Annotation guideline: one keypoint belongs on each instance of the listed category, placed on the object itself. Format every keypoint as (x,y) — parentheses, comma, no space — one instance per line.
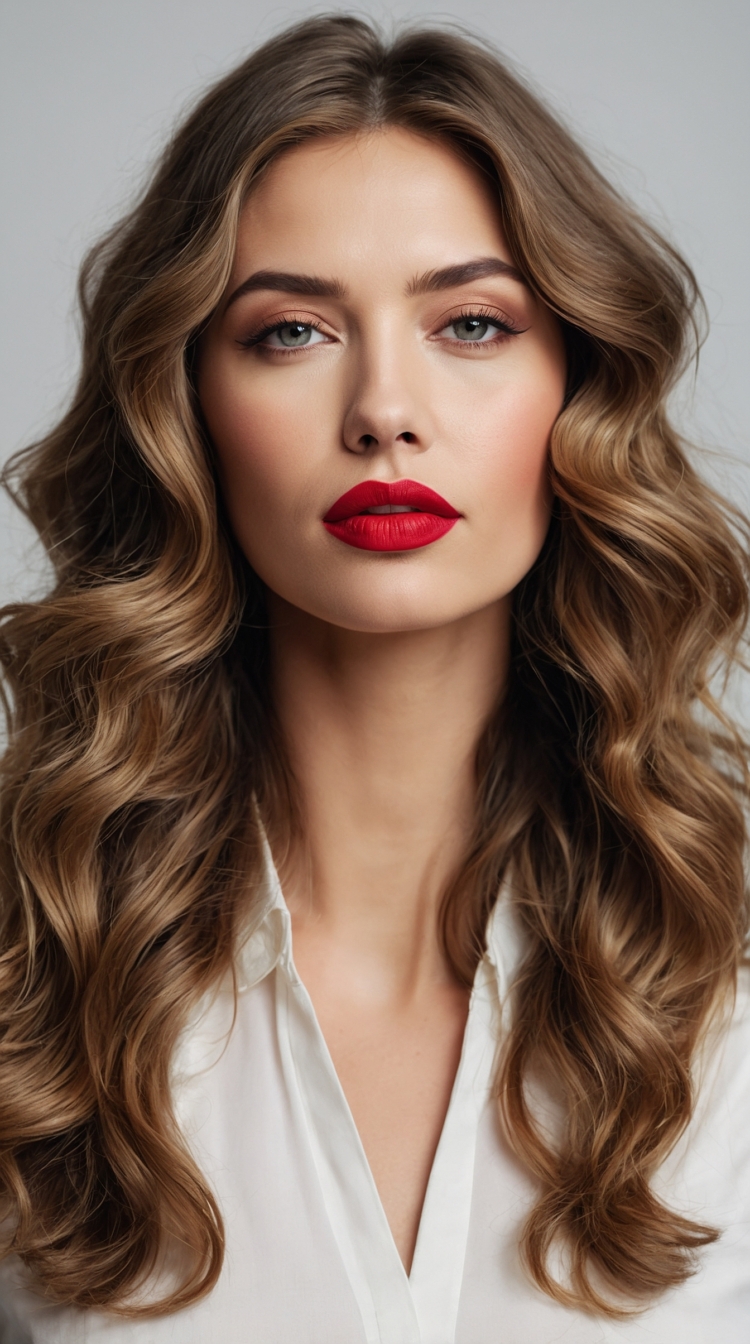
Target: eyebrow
(289,283)
(314,286)
(462,274)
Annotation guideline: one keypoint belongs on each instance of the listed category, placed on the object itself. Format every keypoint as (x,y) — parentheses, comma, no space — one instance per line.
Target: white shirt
(310,1258)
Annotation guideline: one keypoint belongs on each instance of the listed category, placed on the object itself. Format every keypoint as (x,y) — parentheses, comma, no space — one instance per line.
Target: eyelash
(504,329)
(248,342)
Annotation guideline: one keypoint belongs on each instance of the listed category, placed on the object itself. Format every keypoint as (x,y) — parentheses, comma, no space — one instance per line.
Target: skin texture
(385,666)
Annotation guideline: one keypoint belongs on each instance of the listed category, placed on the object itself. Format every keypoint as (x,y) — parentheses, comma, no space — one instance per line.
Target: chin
(390,623)
(392,610)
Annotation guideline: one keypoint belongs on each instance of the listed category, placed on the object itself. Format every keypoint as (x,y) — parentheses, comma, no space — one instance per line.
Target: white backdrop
(657,89)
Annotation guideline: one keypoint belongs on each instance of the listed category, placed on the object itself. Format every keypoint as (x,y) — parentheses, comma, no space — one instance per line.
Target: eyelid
(486,312)
(276,323)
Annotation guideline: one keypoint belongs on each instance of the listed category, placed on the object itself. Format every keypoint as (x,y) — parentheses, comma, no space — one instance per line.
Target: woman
(383,582)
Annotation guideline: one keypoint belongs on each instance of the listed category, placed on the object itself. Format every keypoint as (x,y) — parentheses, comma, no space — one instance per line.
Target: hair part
(609,784)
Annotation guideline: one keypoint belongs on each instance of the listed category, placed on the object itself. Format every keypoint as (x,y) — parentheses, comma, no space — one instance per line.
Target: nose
(387,402)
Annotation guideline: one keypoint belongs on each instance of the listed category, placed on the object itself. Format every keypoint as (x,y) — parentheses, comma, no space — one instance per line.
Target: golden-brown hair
(140,718)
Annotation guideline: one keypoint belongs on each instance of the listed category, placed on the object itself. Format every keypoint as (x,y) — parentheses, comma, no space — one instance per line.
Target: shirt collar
(268,940)
(506,941)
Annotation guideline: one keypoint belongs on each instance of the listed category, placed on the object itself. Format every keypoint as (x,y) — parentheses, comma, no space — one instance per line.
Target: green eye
(294,334)
(470,328)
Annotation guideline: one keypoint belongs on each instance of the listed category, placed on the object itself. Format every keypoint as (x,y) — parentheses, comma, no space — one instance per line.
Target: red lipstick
(390,516)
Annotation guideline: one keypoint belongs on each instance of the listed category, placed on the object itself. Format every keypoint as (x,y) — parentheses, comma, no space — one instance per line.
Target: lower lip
(391,531)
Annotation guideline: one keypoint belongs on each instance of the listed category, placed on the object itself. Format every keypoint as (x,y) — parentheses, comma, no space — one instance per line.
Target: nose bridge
(387,401)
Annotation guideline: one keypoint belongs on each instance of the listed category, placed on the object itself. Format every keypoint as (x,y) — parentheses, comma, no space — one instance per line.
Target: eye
(285,336)
(477,328)
(471,329)
(291,336)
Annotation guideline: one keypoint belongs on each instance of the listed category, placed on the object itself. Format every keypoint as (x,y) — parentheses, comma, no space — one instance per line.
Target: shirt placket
(438,1269)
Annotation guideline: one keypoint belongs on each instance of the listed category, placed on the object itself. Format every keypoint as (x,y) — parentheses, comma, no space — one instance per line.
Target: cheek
(509,449)
(508,452)
(263,446)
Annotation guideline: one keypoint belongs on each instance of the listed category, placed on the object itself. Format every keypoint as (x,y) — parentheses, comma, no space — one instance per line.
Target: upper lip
(369,494)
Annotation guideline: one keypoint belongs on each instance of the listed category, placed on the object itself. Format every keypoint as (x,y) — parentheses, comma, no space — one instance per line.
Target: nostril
(407,436)
(367,440)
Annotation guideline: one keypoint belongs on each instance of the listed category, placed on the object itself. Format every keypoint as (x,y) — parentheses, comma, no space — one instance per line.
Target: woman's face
(375,333)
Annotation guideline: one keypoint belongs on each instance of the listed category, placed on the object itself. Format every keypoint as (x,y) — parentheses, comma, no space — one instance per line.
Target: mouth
(390,516)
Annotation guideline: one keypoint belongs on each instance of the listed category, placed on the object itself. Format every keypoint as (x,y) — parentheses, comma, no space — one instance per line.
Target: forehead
(348,199)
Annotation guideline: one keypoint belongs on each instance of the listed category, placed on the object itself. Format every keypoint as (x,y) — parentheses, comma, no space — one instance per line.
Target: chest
(397,1066)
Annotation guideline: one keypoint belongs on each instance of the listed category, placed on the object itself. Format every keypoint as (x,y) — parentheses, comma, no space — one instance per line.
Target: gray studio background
(657,89)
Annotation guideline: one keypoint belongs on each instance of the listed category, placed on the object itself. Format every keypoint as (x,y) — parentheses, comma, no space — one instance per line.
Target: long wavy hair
(609,783)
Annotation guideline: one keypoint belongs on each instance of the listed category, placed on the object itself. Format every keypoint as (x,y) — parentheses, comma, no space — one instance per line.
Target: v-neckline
(396,1308)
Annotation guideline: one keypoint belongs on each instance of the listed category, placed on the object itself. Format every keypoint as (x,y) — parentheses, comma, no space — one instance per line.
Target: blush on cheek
(518,490)
(267,444)
(520,458)
(250,461)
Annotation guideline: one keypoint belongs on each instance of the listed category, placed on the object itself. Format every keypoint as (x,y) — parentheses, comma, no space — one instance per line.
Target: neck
(381,731)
